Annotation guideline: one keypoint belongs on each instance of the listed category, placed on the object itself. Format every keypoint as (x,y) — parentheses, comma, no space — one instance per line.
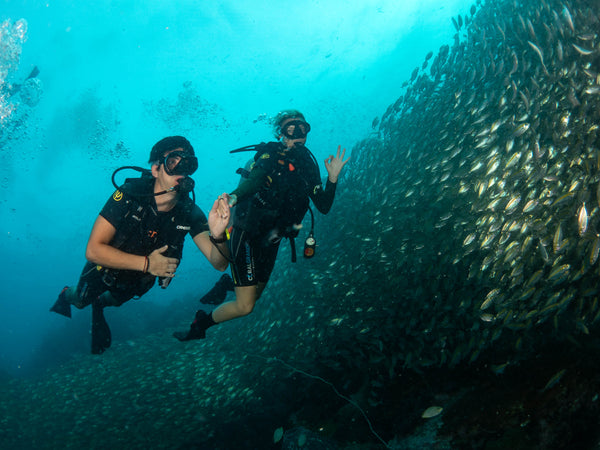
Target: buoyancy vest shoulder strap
(138,208)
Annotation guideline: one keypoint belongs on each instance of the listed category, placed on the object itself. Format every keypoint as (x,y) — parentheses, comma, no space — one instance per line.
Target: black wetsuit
(273,198)
(140,229)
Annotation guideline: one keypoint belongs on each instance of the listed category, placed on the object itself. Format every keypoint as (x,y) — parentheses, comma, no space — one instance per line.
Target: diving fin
(218,292)
(62,306)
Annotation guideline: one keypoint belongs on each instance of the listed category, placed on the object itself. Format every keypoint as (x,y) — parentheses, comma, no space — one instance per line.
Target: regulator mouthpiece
(186,184)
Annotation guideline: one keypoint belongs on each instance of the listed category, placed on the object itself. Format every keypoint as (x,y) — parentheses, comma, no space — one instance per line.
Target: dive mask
(180,163)
(295,129)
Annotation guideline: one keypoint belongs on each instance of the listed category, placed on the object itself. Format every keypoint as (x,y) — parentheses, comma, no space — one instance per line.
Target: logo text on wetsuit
(249,268)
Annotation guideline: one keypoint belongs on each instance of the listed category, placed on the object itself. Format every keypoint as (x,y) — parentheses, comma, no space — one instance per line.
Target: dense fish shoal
(472,211)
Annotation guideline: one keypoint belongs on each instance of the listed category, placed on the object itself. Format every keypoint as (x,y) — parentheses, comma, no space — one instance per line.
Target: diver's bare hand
(334,164)
(218,217)
(160,265)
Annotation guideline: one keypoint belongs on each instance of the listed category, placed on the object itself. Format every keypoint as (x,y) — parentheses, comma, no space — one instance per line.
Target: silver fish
(582,51)
(582,220)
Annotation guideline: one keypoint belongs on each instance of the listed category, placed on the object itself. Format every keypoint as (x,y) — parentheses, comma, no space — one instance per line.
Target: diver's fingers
(161,250)
(223,209)
(162,266)
(224,204)
(217,208)
(344,161)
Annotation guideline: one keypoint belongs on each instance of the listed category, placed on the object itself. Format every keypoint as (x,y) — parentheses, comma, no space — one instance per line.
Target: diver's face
(164,180)
(294,131)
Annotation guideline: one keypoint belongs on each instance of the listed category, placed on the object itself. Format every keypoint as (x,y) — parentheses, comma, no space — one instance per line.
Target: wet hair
(170,143)
(282,116)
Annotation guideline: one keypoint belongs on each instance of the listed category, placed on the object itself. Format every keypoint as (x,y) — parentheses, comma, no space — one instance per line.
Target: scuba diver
(269,206)
(139,236)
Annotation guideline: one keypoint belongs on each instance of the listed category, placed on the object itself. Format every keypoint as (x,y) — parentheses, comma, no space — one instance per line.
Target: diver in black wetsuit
(139,236)
(270,205)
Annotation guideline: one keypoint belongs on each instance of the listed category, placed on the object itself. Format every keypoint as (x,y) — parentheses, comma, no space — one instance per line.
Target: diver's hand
(231,199)
(160,265)
(334,164)
(218,217)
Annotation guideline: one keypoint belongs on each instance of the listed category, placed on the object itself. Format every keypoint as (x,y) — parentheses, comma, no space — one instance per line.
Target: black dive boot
(101,337)
(201,323)
(217,294)
(62,305)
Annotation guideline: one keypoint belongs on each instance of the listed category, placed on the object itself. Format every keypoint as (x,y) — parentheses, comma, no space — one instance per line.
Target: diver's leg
(246,294)
(112,299)
(101,337)
(90,285)
(243,252)
(245,298)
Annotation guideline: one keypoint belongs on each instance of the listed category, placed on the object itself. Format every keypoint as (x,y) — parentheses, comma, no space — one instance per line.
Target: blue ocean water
(116,76)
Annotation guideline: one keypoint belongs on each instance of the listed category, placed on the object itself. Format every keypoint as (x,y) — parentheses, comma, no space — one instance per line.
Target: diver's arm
(217,252)
(323,199)
(215,257)
(250,185)
(99,251)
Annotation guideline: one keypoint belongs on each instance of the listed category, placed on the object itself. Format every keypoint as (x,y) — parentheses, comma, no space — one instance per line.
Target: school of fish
(474,208)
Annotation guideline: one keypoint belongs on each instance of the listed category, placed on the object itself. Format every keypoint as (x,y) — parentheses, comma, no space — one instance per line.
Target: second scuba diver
(269,206)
